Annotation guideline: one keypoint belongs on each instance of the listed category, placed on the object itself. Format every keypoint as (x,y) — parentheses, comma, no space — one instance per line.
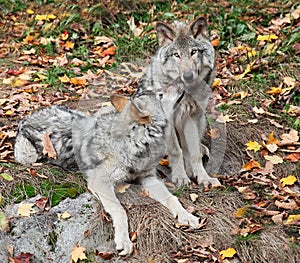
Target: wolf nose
(188,76)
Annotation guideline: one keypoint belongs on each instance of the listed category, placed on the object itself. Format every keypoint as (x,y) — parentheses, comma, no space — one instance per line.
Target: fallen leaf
(251,164)
(133,236)
(268,37)
(215,42)
(104,254)
(164,162)
(293,219)
(26,209)
(247,70)
(78,253)
(3,222)
(41,203)
(121,188)
(241,212)
(277,219)
(293,157)
(289,138)
(214,133)
(109,51)
(64,79)
(274,91)
(258,110)
(64,215)
(290,180)
(29,11)
(253,146)
(272,139)
(23,258)
(272,147)
(193,197)
(6,176)
(224,118)
(228,253)
(289,205)
(290,82)
(274,159)
(45,17)
(48,146)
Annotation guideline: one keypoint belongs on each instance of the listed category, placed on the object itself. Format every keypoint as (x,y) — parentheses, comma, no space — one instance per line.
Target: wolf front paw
(124,246)
(187,218)
(207,181)
(180,180)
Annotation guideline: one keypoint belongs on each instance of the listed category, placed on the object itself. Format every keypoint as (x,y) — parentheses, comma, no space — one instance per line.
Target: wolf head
(185,51)
(147,105)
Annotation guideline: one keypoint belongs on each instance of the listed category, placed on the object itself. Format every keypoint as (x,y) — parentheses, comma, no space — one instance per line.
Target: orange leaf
(252,164)
(274,91)
(164,162)
(272,139)
(215,42)
(293,157)
(28,39)
(78,81)
(109,51)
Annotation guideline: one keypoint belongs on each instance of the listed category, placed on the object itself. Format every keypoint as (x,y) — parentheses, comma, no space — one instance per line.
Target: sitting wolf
(110,148)
(185,54)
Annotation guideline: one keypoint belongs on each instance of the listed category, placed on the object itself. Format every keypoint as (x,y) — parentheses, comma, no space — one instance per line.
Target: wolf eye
(193,52)
(176,55)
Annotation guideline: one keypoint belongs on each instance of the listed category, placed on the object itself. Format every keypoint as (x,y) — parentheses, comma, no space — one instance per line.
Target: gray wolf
(110,148)
(185,54)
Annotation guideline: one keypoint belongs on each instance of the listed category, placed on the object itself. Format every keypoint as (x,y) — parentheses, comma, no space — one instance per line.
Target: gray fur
(185,56)
(110,148)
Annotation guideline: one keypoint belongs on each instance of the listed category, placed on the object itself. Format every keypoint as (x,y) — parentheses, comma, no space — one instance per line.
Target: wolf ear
(200,27)
(165,33)
(118,101)
(139,115)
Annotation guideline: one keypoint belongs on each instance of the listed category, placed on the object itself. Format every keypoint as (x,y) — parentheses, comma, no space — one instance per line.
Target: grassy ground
(77,53)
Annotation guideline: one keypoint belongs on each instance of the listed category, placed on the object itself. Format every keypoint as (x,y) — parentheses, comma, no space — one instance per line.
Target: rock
(51,239)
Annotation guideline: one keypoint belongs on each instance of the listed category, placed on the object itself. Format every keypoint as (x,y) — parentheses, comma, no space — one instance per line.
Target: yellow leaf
(69,45)
(78,81)
(216,82)
(26,209)
(28,39)
(247,70)
(45,17)
(29,11)
(274,159)
(241,212)
(77,253)
(6,176)
(290,180)
(292,219)
(251,52)
(64,79)
(3,222)
(253,146)
(269,37)
(274,91)
(9,112)
(65,215)
(41,76)
(270,48)
(228,253)
(193,197)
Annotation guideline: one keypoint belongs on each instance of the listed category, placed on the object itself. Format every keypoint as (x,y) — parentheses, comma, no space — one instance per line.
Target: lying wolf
(185,54)
(110,148)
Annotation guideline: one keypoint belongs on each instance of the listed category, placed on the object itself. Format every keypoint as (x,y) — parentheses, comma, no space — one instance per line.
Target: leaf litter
(273,195)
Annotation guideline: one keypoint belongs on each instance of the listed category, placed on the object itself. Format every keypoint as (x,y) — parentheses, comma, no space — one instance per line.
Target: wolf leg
(160,192)
(195,151)
(175,156)
(24,151)
(101,186)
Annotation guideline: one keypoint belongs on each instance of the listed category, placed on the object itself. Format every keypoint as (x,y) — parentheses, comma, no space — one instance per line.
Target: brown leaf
(289,205)
(293,157)
(104,254)
(41,203)
(23,258)
(48,146)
